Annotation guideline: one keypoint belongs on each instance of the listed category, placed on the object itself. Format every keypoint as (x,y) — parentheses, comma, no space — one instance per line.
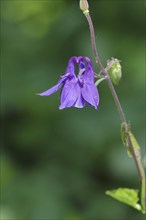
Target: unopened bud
(114,71)
(84,6)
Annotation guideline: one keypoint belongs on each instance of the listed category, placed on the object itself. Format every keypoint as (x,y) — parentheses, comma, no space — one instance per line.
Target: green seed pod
(114,71)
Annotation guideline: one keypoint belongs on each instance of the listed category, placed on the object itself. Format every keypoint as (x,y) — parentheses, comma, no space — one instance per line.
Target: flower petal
(81,65)
(90,94)
(70,93)
(71,66)
(54,88)
(80,102)
(88,75)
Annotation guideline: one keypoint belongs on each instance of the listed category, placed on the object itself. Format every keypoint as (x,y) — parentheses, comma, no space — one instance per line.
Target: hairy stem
(137,158)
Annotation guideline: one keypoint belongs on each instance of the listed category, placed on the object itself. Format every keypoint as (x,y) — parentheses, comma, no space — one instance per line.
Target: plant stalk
(97,59)
(137,158)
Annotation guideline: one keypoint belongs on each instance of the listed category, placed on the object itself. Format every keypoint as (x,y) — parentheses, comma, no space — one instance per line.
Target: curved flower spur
(76,90)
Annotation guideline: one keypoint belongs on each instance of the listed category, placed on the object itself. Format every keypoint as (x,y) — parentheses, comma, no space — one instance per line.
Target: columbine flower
(77,90)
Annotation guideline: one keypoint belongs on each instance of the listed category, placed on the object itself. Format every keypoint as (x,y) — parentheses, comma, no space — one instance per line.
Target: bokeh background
(56,164)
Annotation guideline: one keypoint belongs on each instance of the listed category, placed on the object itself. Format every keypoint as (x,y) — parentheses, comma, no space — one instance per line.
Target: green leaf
(128,138)
(133,141)
(125,195)
(124,136)
(135,145)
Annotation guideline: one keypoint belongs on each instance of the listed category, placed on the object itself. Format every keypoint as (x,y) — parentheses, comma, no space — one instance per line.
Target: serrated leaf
(127,196)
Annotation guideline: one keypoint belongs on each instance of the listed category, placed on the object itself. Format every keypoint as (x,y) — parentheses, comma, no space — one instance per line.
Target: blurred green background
(57,164)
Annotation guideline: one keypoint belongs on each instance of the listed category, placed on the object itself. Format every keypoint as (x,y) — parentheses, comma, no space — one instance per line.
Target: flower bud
(114,71)
(84,6)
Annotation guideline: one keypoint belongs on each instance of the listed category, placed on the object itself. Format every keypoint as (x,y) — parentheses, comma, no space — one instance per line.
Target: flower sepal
(84,6)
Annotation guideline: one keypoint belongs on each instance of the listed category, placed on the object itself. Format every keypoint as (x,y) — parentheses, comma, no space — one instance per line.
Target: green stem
(137,158)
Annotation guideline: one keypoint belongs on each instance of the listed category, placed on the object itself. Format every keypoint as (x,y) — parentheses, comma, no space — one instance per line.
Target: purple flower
(77,90)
